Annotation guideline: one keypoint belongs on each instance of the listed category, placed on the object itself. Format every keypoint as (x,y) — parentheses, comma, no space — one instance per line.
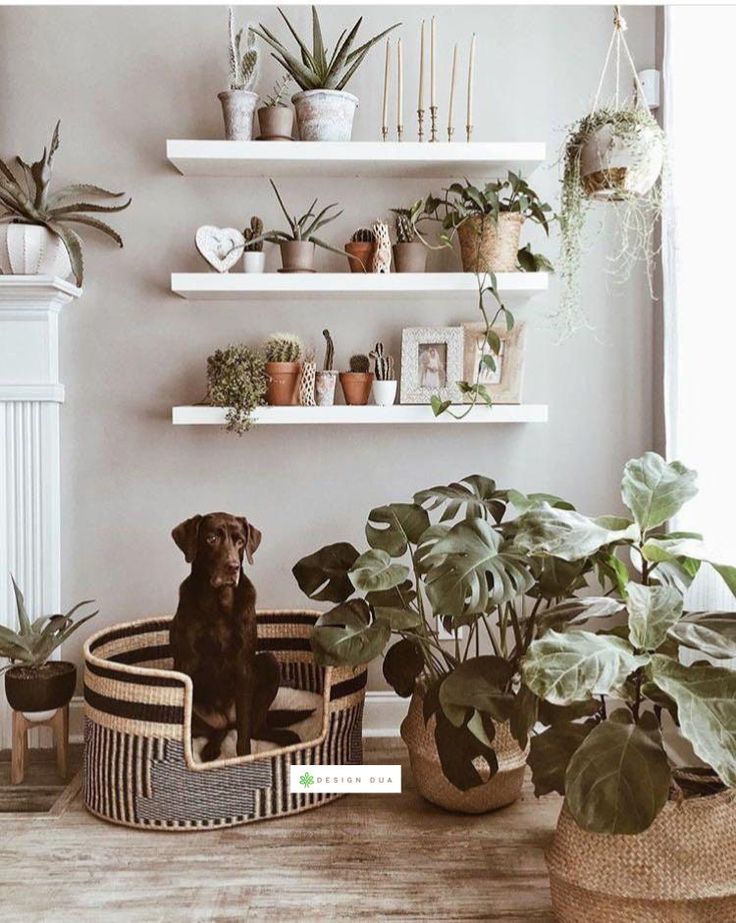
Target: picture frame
(505,383)
(431,364)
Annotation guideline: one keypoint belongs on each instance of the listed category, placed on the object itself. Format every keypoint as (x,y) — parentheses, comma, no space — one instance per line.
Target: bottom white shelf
(399,413)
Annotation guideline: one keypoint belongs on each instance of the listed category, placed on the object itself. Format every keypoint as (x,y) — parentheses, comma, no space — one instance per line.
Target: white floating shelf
(236,286)
(441,160)
(399,413)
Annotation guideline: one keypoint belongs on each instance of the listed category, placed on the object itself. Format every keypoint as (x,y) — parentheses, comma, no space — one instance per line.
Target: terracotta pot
(384,392)
(297,255)
(238,107)
(356,386)
(33,250)
(501,789)
(37,689)
(360,255)
(282,381)
(325,115)
(324,388)
(611,168)
(679,870)
(276,123)
(254,261)
(410,257)
(489,247)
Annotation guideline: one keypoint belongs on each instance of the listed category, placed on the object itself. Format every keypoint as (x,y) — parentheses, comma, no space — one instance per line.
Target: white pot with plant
(324,110)
(299,242)
(239,102)
(254,259)
(384,381)
(35,237)
(275,119)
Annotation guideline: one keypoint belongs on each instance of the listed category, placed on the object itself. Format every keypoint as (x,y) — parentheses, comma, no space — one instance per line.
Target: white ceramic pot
(610,166)
(254,261)
(325,115)
(238,107)
(324,388)
(33,250)
(384,392)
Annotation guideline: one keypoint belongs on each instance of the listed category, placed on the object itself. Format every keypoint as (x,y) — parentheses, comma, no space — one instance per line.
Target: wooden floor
(364,857)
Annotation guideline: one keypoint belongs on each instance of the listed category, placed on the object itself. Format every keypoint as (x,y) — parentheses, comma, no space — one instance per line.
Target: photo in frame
(431,364)
(504,384)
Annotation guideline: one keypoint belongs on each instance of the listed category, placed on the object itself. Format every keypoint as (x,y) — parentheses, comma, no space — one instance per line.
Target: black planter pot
(40,688)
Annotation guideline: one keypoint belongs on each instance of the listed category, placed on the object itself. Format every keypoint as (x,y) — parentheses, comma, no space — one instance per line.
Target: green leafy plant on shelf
(236,379)
(610,760)
(513,195)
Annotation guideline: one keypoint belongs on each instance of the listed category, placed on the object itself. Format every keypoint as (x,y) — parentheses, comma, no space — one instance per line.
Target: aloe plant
(26,198)
(318,69)
(304,227)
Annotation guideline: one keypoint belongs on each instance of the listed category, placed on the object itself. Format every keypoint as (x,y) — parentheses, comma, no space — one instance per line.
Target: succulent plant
(283,347)
(359,363)
(254,233)
(383,363)
(329,351)
(407,220)
(236,379)
(243,62)
(304,227)
(273,99)
(28,200)
(363,236)
(406,233)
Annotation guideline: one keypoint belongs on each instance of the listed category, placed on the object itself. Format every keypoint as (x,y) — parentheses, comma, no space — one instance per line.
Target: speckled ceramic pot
(325,115)
(238,107)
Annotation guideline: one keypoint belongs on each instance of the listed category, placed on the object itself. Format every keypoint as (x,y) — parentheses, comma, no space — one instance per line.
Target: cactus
(283,347)
(406,232)
(384,365)
(360,363)
(363,236)
(329,351)
(243,62)
(254,232)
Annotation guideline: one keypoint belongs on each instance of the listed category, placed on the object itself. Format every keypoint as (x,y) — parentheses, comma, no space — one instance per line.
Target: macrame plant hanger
(619,44)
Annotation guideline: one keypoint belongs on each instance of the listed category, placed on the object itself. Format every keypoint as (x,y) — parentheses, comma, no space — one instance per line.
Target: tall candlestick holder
(384,133)
(450,132)
(420,121)
(400,132)
(433,123)
(468,132)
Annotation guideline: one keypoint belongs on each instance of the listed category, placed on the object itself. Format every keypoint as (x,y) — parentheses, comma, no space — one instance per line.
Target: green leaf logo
(306,779)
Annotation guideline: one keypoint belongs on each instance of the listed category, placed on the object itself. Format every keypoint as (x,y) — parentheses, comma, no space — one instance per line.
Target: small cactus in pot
(254,259)
(283,352)
(326,379)
(239,102)
(360,249)
(410,249)
(356,383)
(384,385)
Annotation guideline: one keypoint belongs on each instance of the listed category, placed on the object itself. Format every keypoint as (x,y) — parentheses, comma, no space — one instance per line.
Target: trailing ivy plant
(610,761)
(236,379)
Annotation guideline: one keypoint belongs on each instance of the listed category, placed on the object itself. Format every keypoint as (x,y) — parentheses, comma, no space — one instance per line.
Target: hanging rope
(618,41)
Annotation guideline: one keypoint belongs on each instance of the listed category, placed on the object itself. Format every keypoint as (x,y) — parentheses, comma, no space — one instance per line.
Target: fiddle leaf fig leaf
(480,684)
(710,633)
(374,570)
(654,490)
(550,753)
(567,667)
(706,709)
(685,555)
(566,534)
(653,610)
(402,665)
(618,779)
(577,609)
(346,635)
(398,525)
(324,574)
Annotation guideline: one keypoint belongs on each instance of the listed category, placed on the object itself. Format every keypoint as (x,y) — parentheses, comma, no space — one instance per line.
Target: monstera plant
(616,698)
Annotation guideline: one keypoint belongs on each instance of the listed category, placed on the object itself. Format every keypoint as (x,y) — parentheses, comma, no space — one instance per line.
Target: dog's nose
(233,567)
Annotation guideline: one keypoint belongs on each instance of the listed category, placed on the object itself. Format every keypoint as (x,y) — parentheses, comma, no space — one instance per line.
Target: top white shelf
(440,160)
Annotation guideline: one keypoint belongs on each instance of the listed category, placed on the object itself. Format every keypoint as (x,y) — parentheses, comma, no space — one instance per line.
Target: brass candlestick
(384,133)
(433,121)
(420,119)
(400,132)
(468,132)
(450,132)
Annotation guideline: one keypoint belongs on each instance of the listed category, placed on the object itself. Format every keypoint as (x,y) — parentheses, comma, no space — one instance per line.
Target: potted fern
(324,110)
(239,102)
(283,352)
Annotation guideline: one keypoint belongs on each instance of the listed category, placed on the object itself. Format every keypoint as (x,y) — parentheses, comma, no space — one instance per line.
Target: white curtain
(699,261)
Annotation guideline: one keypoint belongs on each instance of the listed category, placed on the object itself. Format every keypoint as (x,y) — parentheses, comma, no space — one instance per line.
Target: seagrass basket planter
(680,870)
(139,769)
(489,246)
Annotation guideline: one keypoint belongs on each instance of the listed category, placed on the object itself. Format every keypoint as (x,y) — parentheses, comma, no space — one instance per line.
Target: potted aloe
(299,242)
(274,118)
(283,352)
(644,834)
(324,110)
(239,102)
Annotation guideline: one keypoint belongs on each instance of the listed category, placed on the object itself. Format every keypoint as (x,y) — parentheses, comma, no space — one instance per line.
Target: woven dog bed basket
(139,770)
(680,870)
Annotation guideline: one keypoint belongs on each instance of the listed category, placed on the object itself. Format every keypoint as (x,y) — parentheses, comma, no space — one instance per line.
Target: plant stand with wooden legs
(59,724)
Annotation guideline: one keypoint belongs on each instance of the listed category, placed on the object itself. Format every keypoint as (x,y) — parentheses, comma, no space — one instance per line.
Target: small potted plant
(360,249)
(324,110)
(236,379)
(326,379)
(239,102)
(283,352)
(356,384)
(274,118)
(384,382)
(299,242)
(488,221)
(34,684)
(35,237)
(254,259)
(410,249)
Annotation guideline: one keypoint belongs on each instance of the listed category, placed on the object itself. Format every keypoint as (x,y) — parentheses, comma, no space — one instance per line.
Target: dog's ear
(185,535)
(252,539)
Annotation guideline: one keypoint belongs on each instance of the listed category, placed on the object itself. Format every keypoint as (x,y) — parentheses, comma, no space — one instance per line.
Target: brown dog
(214,638)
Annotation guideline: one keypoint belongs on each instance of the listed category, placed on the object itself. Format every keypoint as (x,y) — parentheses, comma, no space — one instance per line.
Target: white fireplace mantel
(30,398)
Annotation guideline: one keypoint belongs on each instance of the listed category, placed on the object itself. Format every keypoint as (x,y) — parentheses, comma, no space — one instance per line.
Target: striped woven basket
(139,769)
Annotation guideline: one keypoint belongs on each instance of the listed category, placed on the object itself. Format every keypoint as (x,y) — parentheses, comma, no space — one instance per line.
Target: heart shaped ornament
(221,247)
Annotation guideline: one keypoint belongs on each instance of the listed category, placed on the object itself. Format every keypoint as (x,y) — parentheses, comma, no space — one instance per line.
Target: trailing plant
(528,261)
(274,99)
(35,641)
(236,379)
(359,364)
(26,198)
(363,236)
(304,227)
(318,69)
(383,364)
(243,60)
(513,195)
(254,236)
(611,762)
(408,220)
(283,347)
(329,352)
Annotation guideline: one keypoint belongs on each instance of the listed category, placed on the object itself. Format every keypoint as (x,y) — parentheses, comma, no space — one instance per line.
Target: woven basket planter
(139,769)
(489,247)
(680,870)
(502,789)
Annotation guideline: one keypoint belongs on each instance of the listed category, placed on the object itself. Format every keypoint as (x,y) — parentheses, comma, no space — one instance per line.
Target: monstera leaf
(550,753)
(686,554)
(397,597)
(374,571)
(706,708)
(568,535)
(653,610)
(458,749)
(479,684)
(402,665)
(347,636)
(391,528)
(566,667)
(711,633)
(475,495)
(654,490)
(618,779)
(470,572)
(324,574)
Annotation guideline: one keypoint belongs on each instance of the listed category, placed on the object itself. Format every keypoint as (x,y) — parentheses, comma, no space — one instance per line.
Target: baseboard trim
(384,712)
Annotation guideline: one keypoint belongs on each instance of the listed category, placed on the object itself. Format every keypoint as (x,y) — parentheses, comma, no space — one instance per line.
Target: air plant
(383,363)
(329,351)
(27,199)
(254,236)
(243,61)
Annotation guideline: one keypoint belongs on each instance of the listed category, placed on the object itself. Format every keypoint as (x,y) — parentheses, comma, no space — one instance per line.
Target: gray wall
(125,79)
